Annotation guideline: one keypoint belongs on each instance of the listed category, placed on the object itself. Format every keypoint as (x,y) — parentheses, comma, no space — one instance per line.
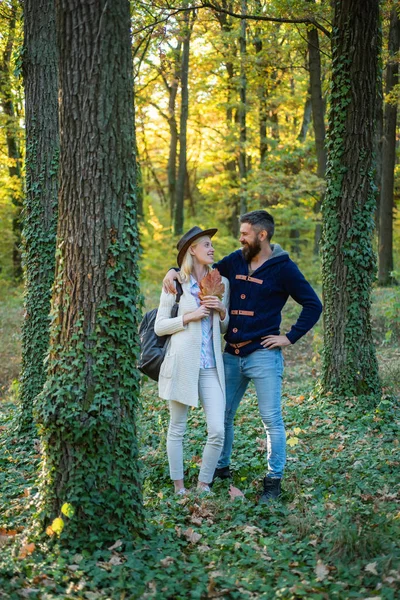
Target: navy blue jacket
(256,302)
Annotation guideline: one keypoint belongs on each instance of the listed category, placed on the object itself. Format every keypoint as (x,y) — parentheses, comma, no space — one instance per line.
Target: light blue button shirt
(207,358)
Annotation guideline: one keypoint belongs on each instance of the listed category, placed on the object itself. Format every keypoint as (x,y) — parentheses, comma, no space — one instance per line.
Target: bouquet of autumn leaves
(211,285)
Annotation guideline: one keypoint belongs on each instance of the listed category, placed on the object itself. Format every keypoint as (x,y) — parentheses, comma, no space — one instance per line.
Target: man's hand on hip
(275,341)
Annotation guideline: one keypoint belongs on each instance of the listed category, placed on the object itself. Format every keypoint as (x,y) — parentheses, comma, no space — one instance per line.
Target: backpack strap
(179,291)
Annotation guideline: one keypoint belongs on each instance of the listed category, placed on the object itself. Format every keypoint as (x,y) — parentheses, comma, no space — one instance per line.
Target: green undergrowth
(334,534)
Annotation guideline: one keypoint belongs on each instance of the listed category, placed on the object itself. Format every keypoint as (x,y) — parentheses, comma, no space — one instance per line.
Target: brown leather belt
(246,313)
(240,345)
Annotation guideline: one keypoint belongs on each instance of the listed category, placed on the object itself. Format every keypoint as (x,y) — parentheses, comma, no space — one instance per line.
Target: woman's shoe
(181,492)
(204,490)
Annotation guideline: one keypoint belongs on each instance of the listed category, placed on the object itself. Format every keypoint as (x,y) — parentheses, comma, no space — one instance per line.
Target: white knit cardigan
(179,374)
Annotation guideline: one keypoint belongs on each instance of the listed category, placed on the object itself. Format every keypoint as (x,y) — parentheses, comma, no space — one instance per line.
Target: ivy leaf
(57,525)
(68,510)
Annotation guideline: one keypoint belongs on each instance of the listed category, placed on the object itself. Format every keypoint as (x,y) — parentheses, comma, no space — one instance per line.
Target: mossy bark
(87,409)
(40,206)
(348,260)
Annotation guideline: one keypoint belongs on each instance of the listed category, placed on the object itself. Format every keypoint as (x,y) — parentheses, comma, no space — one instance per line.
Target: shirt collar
(193,282)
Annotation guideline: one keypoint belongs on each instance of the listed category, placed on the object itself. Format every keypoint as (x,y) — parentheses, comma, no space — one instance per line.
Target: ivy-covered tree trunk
(386,205)
(348,261)
(86,411)
(40,209)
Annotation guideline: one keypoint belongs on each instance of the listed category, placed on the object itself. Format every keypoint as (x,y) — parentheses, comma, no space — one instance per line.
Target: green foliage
(334,535)
(40,226)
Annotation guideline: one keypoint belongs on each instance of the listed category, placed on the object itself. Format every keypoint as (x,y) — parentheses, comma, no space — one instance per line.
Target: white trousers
(213,402)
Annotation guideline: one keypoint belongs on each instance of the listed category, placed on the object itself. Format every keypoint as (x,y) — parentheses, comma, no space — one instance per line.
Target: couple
(257,281)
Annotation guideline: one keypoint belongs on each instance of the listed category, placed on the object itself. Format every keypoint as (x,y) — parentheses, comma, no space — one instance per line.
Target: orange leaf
(211,285)
(27,550)
(10,532)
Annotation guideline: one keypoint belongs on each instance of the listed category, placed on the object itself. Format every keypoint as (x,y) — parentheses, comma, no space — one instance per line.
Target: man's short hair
(260,220)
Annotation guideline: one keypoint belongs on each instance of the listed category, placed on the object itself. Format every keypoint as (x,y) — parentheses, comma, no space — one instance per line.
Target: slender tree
(12,132)
(188,20)
(388,156)
(243,112)
(350,366)
(40,209)
(318,114)
(86,411)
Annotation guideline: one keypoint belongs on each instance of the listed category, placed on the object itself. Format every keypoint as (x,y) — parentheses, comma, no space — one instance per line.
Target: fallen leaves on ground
(234,492)
(321,571)
(192,536)
(27,550)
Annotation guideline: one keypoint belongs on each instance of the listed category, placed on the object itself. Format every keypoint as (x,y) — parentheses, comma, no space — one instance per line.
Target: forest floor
(334,534)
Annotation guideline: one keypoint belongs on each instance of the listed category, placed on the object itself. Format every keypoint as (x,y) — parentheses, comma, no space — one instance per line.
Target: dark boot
(222,473)
(272,490)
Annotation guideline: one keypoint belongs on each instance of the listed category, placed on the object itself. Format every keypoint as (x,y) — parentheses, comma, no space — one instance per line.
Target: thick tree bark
(388,158)
(40,209)
(348,261)
(12,139)
(180,183)
(87,409)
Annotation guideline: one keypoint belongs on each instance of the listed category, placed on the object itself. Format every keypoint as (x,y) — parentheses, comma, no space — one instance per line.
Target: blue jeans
(265,368)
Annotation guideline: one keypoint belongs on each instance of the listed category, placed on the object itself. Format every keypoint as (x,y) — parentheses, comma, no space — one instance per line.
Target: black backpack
(152,347)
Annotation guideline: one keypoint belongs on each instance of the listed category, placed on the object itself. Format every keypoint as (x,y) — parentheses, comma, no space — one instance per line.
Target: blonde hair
(187,262)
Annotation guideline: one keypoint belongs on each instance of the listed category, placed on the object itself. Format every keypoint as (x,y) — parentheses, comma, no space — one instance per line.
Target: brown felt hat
(188,238)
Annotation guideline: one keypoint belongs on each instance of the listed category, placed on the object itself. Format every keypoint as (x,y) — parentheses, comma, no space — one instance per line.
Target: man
(262,277)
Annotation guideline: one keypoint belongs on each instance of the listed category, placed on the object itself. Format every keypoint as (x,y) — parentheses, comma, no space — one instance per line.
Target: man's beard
(251,250)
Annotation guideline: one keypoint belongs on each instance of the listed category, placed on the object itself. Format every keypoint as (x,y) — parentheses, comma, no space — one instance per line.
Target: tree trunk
(40,209)
(348,261)
(87,409)
(180,184)
(388,158)
(306,118)
(318,112)
(231,164)
(13,148)
(242,113)
(173,128)
(261,91)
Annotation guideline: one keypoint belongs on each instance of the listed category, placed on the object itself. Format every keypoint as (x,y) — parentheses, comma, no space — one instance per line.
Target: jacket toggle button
(243,296)
(237,351)
(235,330)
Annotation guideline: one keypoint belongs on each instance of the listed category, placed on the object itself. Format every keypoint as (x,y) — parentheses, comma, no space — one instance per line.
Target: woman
(193,366)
